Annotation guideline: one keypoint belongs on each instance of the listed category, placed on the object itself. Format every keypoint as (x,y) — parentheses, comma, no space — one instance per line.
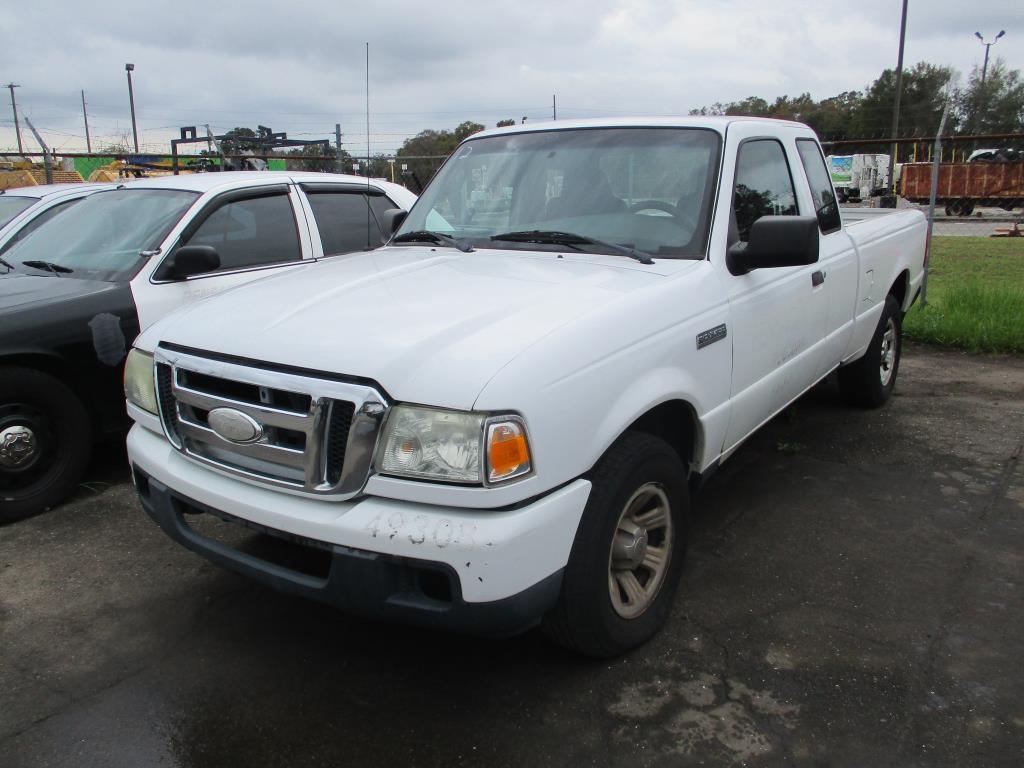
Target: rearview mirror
(189,260)
(392,219)
(776,241)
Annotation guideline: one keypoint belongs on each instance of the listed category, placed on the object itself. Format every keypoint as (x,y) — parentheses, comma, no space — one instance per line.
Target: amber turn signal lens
(508,453)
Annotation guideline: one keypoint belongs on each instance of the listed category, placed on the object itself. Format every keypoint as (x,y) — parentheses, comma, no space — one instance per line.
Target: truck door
(837,256)
(256,232)
(778,315)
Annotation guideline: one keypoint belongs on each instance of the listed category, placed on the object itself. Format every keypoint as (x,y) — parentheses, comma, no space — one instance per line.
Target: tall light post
(131,99)
(984,67)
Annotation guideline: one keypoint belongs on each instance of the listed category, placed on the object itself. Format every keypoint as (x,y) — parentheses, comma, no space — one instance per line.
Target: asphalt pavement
(852,597)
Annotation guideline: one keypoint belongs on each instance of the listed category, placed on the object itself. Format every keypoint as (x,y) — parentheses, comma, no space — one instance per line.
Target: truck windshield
(11,206)
(648,189)
(101,237)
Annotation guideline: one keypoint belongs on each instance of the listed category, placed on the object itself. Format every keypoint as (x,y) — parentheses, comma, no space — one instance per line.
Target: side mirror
(391,220)
(189,260)
(776,241)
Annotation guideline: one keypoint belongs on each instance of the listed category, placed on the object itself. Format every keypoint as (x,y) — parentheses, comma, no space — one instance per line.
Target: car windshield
(11,206)
(645,188)
(101,237)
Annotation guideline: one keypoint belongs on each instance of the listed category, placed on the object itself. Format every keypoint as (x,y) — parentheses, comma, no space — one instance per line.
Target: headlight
(139,384)
(453,446)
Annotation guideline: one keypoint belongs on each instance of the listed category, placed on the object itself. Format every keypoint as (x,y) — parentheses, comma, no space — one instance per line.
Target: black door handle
(817,278)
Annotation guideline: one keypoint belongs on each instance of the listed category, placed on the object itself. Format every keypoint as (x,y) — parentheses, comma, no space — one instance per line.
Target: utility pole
(337,148)
(131,100)
(85,117)
(554,108)
(936,157)
(47,158)
(14,107)
(896,105)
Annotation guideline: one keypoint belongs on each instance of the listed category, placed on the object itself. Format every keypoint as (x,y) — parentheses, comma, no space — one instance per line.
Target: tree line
(976,107)
(993,106)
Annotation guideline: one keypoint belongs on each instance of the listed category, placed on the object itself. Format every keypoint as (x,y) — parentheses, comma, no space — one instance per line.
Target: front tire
(869,381)
(45,441)
(620,582)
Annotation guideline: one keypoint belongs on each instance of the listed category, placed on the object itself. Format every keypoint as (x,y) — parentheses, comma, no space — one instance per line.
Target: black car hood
(19,291)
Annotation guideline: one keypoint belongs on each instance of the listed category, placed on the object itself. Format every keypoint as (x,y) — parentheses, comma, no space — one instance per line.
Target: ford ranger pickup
(496,420)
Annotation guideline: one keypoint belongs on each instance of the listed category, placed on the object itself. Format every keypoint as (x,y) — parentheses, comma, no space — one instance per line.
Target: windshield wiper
(571,239)
(6,263)
(436,237)
(49,266)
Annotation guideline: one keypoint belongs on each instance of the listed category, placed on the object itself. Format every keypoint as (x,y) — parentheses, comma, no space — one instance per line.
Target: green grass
(975,296)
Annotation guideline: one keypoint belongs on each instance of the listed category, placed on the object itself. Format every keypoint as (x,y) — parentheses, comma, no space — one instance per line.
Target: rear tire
(621,579)
(869,381)
(45,442)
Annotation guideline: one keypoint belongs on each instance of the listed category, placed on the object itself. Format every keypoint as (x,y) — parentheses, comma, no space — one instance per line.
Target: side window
(764,186)
(38,221)
(343,218)
(825,205)
(380,204)
(250,232)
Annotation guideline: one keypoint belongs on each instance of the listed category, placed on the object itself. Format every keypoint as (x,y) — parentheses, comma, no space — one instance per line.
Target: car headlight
(454,446)
(139,383)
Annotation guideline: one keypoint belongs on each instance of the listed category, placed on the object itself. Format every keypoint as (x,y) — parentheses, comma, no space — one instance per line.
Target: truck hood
(431,326)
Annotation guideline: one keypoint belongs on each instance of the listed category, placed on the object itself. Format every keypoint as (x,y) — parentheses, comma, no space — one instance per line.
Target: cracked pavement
(852,597)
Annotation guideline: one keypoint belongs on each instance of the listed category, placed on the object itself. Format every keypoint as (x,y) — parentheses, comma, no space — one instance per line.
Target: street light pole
(984,67)
(14,106)
(131,100)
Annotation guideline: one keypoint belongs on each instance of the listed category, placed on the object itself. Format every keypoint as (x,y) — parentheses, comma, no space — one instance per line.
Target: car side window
(38,221)
(345,221)
(825,205)
(251,232)
(764,185)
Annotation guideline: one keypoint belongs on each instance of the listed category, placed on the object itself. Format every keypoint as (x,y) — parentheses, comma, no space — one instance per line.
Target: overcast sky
(299,66)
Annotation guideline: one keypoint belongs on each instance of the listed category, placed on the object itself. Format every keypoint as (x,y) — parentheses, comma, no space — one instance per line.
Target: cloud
(300,67)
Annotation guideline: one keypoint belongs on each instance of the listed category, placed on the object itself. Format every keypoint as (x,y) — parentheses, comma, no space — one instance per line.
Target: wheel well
(51,365)
(675,422)
(899,288)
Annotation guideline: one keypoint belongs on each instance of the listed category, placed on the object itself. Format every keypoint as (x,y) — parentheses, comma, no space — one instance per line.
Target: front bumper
(487,571)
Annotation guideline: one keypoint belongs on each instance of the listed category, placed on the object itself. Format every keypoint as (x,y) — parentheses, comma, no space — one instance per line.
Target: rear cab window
(825,206)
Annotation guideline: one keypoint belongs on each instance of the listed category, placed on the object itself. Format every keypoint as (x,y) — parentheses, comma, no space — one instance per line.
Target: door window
(825,206)
(764,186)
(345,221)
(251,232)
(39,220)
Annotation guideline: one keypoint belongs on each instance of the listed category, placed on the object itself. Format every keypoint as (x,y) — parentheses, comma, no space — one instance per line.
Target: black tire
(866,383)
(585,619)
(59,448)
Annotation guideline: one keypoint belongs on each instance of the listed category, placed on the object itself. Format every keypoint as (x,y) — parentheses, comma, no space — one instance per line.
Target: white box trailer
(858,176)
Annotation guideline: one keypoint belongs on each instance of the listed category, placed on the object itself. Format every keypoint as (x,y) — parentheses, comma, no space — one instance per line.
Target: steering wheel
(654,205)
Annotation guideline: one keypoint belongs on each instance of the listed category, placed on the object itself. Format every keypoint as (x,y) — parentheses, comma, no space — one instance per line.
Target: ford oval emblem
(234,426)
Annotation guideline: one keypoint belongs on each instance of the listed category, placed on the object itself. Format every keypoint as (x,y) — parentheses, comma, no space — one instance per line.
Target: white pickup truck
(497,419)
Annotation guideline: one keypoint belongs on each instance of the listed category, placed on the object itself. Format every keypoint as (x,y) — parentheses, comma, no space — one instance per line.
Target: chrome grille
(316,435)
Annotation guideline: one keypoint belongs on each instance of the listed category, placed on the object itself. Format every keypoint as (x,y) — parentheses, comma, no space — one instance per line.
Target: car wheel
(45,442)
(627,557)
(869,381)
